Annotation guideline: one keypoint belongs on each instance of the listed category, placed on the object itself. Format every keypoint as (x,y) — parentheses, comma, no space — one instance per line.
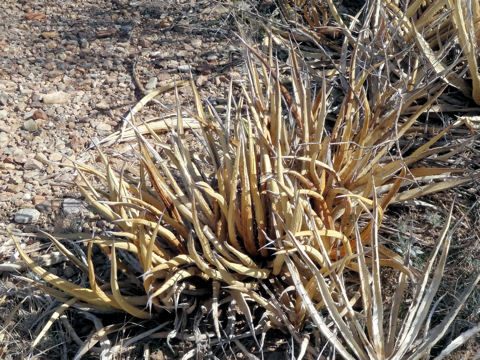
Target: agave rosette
(269,161)
(284,194)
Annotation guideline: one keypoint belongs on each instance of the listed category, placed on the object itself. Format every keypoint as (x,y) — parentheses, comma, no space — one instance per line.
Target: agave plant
(444,34)
(281,196)
(377,332)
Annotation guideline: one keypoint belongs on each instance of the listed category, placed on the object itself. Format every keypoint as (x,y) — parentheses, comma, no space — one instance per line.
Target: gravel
(58,97)
(66,82)
(27,216)
(30,125)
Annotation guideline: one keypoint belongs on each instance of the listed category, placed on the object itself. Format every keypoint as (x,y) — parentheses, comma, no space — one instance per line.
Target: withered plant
(282,204)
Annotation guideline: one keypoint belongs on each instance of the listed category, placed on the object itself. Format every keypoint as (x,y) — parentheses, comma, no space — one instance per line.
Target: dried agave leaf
(56,314)
(95,337)
(458,341)
(84,294)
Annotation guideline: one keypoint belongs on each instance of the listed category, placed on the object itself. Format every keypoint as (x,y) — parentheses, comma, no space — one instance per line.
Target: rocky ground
(71,70)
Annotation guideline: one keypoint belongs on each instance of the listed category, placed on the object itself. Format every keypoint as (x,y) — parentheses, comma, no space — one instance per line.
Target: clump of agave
(281,204)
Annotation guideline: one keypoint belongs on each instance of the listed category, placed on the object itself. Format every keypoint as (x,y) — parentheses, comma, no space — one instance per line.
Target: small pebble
(184,68)
(28,114)
(56,157)
(4,140)
(152,83)
(30,125)
(102,105)
(83,43)
(32,164)
(49,34)
(103,127)
(144,43)
(38,199)
(21,106)
(171,64)
(197,43)
(55,205)
(3,99)
(39,114)
(19,157)
(42,158)
(201,80)
(44,207)
(58,97)
(27,216)
(72,206)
